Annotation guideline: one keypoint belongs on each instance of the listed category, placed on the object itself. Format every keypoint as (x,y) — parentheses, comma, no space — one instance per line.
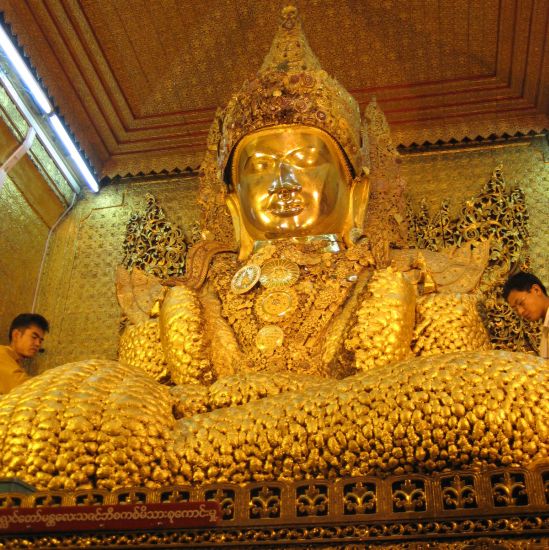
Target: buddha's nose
(285,182)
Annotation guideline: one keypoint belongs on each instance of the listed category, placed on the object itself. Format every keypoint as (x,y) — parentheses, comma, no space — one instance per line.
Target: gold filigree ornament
(274,304)
(269,338)
(279,272)
(245,278)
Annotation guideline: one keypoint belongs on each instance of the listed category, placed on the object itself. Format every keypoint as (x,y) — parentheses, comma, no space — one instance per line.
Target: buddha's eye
(259,163)
(306,157)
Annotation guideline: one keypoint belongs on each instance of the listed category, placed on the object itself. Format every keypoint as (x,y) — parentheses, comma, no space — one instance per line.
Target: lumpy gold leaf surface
(98,423)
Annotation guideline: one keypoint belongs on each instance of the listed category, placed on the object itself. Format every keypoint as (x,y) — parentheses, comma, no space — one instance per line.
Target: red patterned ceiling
(138,81)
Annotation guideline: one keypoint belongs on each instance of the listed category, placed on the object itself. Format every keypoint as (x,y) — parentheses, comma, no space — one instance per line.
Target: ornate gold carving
(409,496)
(153,244)
(312,500)
(407,512)
(509,489)
(360,498)
(499,216)
(306,311)
(458,491)
(265,502)
(226,499)
(386,220)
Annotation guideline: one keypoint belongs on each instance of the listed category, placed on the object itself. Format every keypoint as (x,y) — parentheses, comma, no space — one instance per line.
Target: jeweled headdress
(292,88)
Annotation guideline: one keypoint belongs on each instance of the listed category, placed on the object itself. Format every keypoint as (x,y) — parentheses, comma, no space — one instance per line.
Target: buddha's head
(289,181)
(289,149)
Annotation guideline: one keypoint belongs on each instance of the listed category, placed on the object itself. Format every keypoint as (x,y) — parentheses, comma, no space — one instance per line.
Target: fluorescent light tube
(73,151)
(46,142)
(23,71)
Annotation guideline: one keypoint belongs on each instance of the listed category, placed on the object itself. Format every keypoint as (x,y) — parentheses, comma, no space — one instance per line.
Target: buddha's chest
(283,305)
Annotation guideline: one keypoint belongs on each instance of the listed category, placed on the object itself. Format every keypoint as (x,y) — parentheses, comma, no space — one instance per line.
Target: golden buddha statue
(290,340)
(312,291)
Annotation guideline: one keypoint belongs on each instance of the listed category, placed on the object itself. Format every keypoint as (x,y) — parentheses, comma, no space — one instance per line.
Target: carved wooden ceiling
(138,81)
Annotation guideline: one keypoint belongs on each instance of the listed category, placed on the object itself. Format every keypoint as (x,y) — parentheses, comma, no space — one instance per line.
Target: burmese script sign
(110,517)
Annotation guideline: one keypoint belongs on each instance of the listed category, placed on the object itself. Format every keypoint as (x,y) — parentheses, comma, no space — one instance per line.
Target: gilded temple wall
(23,237)
(78,290)
(459,174)
(78,293)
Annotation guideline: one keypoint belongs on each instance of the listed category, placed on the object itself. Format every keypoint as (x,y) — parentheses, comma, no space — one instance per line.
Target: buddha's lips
(287,209)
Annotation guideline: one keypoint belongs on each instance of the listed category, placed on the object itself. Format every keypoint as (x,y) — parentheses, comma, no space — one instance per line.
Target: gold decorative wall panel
(139,82)
(78,288)
(458,174)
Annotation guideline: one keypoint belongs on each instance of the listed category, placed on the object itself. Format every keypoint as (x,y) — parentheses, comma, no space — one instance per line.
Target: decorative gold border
(463,505)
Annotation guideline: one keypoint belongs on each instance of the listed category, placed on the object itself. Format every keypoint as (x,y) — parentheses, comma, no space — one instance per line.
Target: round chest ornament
(277,273)
(269,338)
(245,278)
(274,304)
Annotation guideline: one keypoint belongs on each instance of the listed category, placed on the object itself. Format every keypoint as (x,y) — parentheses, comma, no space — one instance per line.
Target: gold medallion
(276,273)
(245,278)
(275,304)
(269,338)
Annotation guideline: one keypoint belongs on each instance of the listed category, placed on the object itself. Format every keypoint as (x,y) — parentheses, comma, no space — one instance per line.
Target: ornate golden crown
(292,88)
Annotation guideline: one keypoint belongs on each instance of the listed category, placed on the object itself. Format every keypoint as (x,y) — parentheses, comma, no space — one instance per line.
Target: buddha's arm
(183,339)
(448,322)
(225,354)
(383,328)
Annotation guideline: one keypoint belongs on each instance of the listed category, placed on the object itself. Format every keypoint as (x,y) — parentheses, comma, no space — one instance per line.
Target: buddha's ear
(360,193)
(243,240)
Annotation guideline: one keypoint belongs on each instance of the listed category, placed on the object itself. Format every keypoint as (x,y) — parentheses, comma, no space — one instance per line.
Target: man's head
(27,333)
(526,294)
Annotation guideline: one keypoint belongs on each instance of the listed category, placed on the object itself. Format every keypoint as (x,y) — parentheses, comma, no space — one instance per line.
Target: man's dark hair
(26,320)
(521,281)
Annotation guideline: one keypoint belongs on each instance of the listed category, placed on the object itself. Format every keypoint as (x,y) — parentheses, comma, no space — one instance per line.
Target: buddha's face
(290,182)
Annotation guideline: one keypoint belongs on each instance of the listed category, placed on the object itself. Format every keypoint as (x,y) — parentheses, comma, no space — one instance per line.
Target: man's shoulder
(8,355)
(8,351)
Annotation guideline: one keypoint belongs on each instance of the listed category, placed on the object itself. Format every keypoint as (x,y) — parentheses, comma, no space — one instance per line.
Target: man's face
(27,341)
(290,182)
(529,304)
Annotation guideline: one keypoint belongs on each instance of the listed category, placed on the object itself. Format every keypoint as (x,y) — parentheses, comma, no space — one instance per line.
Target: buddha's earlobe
(243,239)
(358,203)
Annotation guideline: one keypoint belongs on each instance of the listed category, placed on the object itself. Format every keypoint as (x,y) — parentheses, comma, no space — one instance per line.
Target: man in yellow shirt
(526,294)
(26,335)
